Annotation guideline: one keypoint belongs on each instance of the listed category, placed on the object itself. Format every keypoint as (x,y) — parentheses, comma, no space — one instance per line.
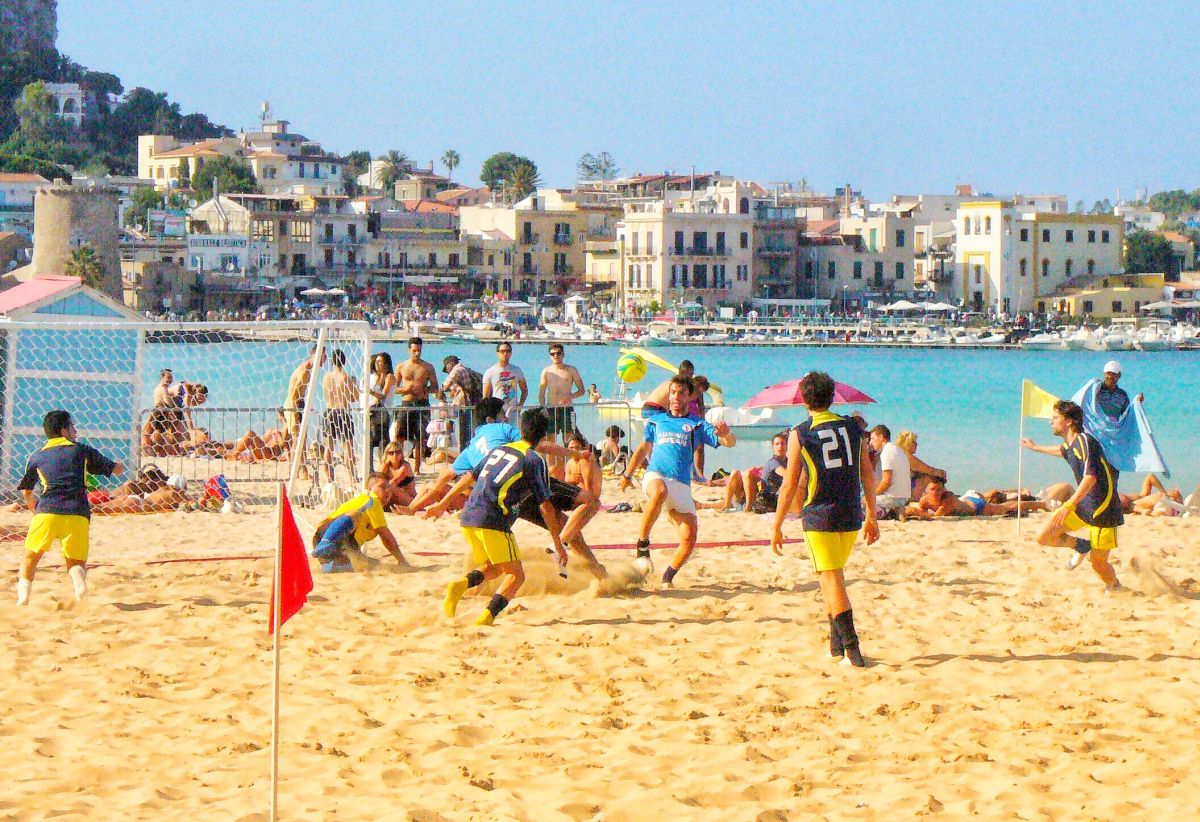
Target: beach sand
(1001,684)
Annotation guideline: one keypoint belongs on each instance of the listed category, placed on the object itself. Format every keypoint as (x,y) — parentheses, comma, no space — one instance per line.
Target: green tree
(83,263)
(1102,207)
(1175,202)
(359,162)
(232,176)
(1148,253)
(597,166)
(395,165)
(25,164)
(185,173)
(37,113)
(451,160)
(1079,207)
(522,180)
(349,183)
(143,199)
(496,169)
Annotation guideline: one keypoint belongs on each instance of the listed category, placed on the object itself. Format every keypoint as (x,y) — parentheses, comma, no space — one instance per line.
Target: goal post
(196,400)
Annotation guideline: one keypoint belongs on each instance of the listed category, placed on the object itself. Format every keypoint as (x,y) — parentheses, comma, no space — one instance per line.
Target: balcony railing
(564,270)
(562,239)
(531,238)
(775,251)
(343,240)
(699,251)
(529,269)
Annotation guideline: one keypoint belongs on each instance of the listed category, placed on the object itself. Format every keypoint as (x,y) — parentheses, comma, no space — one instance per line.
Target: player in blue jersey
(671,439)
(510,473)
(828,457)
(62,512)
(1094,507)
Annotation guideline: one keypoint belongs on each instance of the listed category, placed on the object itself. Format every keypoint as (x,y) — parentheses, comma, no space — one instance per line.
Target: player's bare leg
(686,525)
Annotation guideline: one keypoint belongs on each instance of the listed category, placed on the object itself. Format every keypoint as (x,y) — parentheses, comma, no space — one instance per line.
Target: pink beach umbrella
(788,393)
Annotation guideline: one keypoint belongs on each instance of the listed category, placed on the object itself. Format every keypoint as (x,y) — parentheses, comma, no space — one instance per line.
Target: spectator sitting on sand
(169,497)
(920,471)
(939,501)
(400,476)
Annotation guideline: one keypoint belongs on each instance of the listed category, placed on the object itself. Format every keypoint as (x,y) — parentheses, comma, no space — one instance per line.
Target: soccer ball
(644,566)
(631,368)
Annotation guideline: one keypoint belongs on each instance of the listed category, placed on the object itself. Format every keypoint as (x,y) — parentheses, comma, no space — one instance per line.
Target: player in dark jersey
(62,512)
(509,474)
(827,456)
(1094,507)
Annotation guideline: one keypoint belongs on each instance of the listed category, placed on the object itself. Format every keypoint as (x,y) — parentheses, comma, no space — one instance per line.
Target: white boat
(747,423)
(716,336)
(1109,340)
(487,330)
(1080,340)
(1049,341)
(561,331)
(1152,339)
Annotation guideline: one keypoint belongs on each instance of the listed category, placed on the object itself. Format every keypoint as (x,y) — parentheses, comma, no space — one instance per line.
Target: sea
(964,405)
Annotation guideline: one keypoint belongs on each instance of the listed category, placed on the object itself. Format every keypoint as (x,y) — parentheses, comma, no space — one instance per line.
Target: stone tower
(29,24)
(66,217)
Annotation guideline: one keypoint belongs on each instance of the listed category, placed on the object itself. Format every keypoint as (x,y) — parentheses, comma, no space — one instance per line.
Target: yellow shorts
(1102,539)
(829,550)
(69,529)
(489,547)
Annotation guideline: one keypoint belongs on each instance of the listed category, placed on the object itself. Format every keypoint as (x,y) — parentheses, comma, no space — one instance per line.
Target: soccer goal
(247,405)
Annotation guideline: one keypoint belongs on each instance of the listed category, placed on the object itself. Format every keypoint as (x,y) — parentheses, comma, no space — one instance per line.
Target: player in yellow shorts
(62,512)
(502,482)
(1094,508)
(827,456)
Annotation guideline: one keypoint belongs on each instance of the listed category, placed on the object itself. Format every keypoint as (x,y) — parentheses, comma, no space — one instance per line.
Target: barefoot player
(827,453)
(509,474)
(672,439)
(62,511)
(1094,507)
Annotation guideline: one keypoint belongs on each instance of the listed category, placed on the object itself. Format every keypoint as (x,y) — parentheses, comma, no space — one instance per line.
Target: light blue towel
(1128,440)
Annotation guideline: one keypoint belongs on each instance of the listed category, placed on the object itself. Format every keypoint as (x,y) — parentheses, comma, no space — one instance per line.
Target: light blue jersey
(675,440)
(487,437)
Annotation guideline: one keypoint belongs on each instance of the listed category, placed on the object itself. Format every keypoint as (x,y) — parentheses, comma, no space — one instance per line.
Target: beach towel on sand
(1128,440)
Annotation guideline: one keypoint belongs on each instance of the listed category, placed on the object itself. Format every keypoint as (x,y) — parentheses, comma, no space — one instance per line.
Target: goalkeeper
(339,538)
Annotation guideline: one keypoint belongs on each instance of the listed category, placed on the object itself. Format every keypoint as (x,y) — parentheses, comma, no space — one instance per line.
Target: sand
(1001,685)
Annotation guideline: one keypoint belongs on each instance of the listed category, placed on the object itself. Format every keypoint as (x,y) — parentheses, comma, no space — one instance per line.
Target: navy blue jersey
(60,468)
(509,474)
(831,446)
(1101,507)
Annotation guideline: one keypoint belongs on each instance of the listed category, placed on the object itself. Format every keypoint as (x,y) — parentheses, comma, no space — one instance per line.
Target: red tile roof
(428,207)
(21,177)
(33,291)
(822,227)
(1174,236)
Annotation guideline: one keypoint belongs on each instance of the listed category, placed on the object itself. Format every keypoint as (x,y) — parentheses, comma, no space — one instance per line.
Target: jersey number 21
(830,447)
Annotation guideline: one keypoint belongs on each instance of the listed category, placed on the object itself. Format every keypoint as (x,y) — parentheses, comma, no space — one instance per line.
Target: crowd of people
(502,460)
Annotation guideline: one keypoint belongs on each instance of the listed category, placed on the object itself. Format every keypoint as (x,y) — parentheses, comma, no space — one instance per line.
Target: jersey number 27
(830,447)
(494,459)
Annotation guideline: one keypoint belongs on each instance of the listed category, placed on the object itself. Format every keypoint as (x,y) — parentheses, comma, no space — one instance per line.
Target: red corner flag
(293,575)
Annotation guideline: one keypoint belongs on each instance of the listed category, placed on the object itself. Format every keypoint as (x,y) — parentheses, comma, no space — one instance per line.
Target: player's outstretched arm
(461,486)
(389,542)
(1051,450)
(640,455)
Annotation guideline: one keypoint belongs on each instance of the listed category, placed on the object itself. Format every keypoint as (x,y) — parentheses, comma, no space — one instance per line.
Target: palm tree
(451,160)
(83,263)
(395,165)
(522,181)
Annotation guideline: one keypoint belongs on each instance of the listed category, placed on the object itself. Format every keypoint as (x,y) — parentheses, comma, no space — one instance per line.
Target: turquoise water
(963,405)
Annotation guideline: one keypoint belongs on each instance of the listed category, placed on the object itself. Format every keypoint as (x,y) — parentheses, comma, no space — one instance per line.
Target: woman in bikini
(400,476)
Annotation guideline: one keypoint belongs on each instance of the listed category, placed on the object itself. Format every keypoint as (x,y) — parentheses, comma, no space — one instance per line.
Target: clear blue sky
(1074,98)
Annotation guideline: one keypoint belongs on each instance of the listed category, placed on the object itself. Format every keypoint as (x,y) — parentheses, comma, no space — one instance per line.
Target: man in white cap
(1111,398)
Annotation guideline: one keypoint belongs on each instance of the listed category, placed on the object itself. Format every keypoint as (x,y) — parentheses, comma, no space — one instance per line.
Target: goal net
(231,407)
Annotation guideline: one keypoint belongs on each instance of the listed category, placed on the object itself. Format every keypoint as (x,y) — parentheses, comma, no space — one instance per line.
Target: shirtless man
(416,379)
(559,387)
(939,501)
(297,390)
(168,497)
(338,425)
(656,402)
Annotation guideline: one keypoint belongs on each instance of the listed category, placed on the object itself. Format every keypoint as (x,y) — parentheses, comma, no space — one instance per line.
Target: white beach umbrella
(336,292)
(900,305)
(1156,306)
(939,307)
(314,292)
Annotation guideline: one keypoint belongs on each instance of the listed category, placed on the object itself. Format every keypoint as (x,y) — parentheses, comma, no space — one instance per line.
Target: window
(967,225)
(1024,267)
(1104,236)
(700,275)
(700,241)
(633,239)
(683,280)
(900,238)
(831,269)
(1067,269)
(453,258)
(978,274)
(1087,307)
(1045,268)
(720,242)
(328,231)
(987,225)
(678,242)
(301,231)
(527,264)
(262,230)
(808,269)
(630,276)
(491,260)
(674,276)
(1091,267)
(329,258)
(977,227)
(649,241)
(1024,235)
(351,258)
(858,269)
(1045,235)
(745,239)
(1117,309)
(560,262)
(302,169)
(433,259)
(1091,235)
(878,270)
(900,270)
(527,232)
(352,231)
(1070,235)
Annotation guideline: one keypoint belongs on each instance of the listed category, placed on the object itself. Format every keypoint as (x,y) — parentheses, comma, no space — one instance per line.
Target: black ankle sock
(843,625)
(496,605)
(643,547)
(669,574)
(474,578)
(835,641)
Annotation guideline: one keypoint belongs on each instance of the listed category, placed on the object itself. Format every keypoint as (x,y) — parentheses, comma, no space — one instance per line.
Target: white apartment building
(1009,260)
(1041,203)
(1139,217)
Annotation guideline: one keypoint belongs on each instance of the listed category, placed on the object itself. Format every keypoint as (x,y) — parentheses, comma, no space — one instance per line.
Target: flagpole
(277,600)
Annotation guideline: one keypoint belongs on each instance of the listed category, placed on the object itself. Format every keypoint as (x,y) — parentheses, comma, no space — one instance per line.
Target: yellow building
(1106,297)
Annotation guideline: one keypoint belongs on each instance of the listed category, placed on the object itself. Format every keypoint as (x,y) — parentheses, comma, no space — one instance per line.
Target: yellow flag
(1036,402)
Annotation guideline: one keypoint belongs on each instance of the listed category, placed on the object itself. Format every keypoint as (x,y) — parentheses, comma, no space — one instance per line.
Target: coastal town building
(72,102)
(1103,298)
(1139,217)
(1183,253)
(419,251)
(1011,260)
(281,160)
(16,201)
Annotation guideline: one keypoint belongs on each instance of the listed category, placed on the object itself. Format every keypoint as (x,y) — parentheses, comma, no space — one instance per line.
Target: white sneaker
(666,585)
(644,565)
(23,588)
(1075,561)
(78,576)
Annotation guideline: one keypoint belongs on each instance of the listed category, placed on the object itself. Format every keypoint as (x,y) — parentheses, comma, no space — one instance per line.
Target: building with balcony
(280,160)
(548,230)
(775,273)
(16,201)
(1010,260)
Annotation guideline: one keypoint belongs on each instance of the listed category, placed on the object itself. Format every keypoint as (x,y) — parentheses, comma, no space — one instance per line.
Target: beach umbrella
(788,393)
(335,292)
(314,292)
(900,305)
(939,307)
